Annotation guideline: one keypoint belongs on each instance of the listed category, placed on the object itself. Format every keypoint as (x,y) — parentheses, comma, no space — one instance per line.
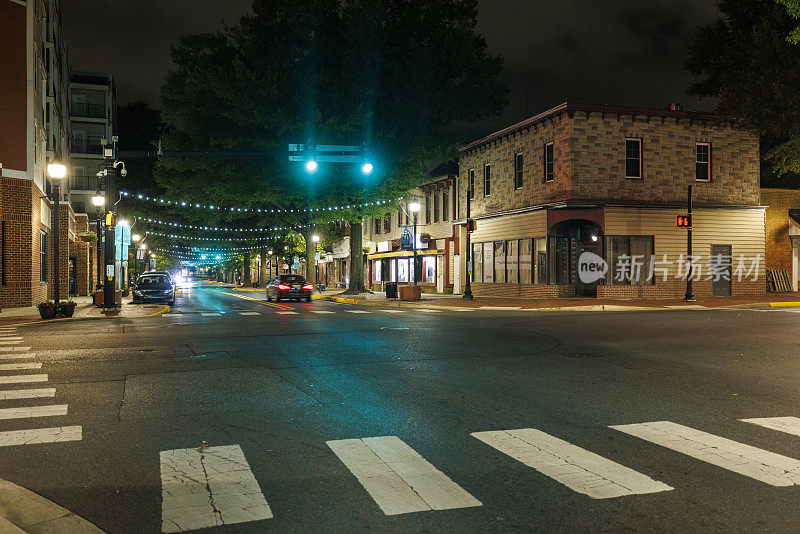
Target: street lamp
(56,170)
(311,166)
(367,168)
(98,200)
(414,208)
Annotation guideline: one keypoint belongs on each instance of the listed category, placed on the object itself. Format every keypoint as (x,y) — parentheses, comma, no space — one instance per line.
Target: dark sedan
(154,287)
(289,286)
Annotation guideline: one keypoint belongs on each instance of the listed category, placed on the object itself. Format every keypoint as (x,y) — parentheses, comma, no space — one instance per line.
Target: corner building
(611,180)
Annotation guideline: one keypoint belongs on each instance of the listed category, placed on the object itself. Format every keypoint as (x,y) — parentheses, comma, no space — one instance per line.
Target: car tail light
(308,286)
(283,287)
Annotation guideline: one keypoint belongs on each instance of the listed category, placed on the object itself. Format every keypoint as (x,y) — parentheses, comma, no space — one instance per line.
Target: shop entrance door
(721,281)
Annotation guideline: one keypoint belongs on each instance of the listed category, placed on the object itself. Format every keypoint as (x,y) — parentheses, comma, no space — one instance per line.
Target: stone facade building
(611,181)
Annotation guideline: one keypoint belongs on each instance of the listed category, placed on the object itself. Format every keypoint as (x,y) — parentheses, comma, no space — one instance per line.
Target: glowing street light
(136,237)
(367,168)
(315,238)
(311,166)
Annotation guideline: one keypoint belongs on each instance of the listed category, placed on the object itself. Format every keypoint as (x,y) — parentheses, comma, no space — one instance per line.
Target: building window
(377,225)
(500,261)
(42,256)
(436,207)
(703,162)
(487,180)
(633,158)
(477,262)
(525,261)
(402,270)
(540,259)
(518,160)
(548,162)
(387,223)
(512,261)
(429,269)
(471,184)
(427,209)
(631,260)
(79,207)
(445,211)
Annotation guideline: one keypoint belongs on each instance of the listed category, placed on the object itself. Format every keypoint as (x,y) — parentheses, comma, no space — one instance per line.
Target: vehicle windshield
(153,280)
(292,279)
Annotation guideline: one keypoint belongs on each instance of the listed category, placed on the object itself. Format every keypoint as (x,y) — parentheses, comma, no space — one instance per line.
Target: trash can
(391,290)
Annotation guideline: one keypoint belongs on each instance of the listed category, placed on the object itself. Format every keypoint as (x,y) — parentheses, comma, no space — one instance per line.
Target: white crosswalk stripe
(399,480)
(428,310)
(16,355)
(25,412)
(41,435)
(11,341)
(20,366)
(27,393)
(287,313)
(208,487)
(789,425)
(768,467)
(249,313)
(22,379)
(14,349)
(8,336)
(578,469)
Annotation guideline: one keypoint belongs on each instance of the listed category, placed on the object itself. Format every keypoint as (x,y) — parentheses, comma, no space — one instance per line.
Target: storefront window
(376,269)
(429,269)
(540,253)
(560,260)
(631,258)
(488,263)
(512,260)
(500,261)
(393,270)
(477,261)
(525,261)
(402,270)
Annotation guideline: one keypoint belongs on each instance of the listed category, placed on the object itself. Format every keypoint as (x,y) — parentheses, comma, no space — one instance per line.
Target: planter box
(99,298)
(410,292)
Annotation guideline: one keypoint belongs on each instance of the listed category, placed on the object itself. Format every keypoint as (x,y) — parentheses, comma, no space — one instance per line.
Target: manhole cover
(580,355)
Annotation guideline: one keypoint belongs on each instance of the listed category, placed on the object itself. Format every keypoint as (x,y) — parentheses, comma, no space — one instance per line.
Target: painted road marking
(27,393)
(399,480)
(500,308)
(789,425)
(211,314)
(25,412)
(22,379)
(249,313)
(393,311)
(14,349)
(321,311)
(207,488)
(17,356)
(12,341)
(357,311)
(18,366)
(171,315)
(428,310)
(9,336)
(768,467)
(578,469)
(41,435)
(287,313)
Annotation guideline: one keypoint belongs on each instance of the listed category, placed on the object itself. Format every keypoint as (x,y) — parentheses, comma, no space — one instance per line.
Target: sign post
(689,296)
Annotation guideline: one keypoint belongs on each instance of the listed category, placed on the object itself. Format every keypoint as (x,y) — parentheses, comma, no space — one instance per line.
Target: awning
(404,254)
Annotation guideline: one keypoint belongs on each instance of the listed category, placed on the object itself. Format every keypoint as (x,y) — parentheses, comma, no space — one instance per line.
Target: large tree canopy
(745,60)
(393,75)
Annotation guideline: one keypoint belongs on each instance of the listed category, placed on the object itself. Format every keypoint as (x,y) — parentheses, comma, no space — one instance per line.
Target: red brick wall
(13,86)
(529,291)
(779,246)
(673,289)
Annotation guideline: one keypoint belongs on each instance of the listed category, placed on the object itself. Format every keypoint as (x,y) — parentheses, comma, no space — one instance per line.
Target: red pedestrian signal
(683,221)
(470,225)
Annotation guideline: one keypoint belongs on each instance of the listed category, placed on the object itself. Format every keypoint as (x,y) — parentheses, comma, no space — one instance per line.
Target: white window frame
(641,162)
(696,161)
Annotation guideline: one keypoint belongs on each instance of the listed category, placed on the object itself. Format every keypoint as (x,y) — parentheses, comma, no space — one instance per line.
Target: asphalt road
(281,381)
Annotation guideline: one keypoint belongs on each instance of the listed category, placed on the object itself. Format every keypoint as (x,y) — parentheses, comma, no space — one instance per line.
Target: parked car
(289,286)
(154,286)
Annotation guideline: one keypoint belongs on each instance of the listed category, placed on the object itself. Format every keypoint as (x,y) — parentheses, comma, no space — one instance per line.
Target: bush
(47,310)
(67,309)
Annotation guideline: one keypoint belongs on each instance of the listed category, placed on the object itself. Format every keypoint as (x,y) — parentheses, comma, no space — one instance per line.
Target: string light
(225,228)
(213,207)
(196,238)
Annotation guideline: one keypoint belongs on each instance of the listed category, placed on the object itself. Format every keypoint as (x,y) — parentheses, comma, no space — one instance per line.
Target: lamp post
(98,200)
(414,208)
(315,240)
(56,170)
(123,223)
(135,238)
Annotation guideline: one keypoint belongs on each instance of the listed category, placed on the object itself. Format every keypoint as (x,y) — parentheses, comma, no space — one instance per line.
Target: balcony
(83,109)
(80,183)
(87,146)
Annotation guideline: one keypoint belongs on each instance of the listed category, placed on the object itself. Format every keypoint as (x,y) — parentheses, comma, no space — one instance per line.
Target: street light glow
(311,165)
(122,222)
(414,206)
(98,199)
(367,168)
(56,169)
(143,247)
(315,238)
(136,237)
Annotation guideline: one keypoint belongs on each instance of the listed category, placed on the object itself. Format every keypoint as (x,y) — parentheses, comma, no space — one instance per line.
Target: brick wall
(82,254)
(13,86)
(779,246)
(673,289)
(529,291)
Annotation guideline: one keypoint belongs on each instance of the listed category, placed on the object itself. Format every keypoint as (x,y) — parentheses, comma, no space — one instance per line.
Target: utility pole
(109,292)
(689,297)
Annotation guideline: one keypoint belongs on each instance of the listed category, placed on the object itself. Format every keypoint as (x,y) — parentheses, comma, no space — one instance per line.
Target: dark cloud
(628,52)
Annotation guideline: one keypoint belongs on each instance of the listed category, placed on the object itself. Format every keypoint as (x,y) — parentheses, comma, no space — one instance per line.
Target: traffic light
(470,225)
(110,219)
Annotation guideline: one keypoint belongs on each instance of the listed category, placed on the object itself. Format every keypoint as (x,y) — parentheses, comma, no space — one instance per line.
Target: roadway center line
(287,313)
(41,435)
(25,412)
(768,467)
(578,469)
(789,425)
(399,480)
(357,311)
(208,488)
(249,313)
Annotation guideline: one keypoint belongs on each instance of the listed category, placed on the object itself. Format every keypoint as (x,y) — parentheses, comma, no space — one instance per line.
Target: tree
(393,75)
(793,9)
(745,61)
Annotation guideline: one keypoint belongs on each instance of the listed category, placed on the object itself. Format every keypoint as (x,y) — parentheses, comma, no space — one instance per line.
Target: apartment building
(34,119)
(611,180)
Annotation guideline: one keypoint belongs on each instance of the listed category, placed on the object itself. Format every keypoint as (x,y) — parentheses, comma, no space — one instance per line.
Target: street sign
(683,221)
(326,153)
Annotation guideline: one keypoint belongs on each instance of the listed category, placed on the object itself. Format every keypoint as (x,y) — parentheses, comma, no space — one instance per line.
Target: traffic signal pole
(689,296)
(468,286)
(109,291)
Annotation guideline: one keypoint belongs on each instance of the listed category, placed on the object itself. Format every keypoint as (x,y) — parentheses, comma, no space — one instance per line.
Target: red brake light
(283,287)
(308,286)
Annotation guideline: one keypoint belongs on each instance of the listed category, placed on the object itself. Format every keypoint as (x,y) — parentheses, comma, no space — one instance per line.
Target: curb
(164,309)
(30,512)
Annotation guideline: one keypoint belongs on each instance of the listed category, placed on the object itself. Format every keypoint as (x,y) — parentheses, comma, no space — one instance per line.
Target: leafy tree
(393,75)
(793,9)
(745,61)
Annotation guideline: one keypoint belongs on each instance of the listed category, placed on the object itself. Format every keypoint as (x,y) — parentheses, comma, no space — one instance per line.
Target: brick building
(34,121)
(611,180)
(783,231)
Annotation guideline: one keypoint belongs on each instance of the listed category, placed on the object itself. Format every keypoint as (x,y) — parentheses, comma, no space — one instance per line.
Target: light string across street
(225,228)
(195,238)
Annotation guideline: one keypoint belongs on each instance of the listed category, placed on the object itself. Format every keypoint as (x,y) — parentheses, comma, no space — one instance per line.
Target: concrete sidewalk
(84,310)
(566,304)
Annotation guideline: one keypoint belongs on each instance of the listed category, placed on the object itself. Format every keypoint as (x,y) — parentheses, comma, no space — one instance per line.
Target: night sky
(624,52)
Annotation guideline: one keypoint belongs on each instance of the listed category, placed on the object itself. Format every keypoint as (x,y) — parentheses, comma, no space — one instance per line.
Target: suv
(154,286)
(289,286)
